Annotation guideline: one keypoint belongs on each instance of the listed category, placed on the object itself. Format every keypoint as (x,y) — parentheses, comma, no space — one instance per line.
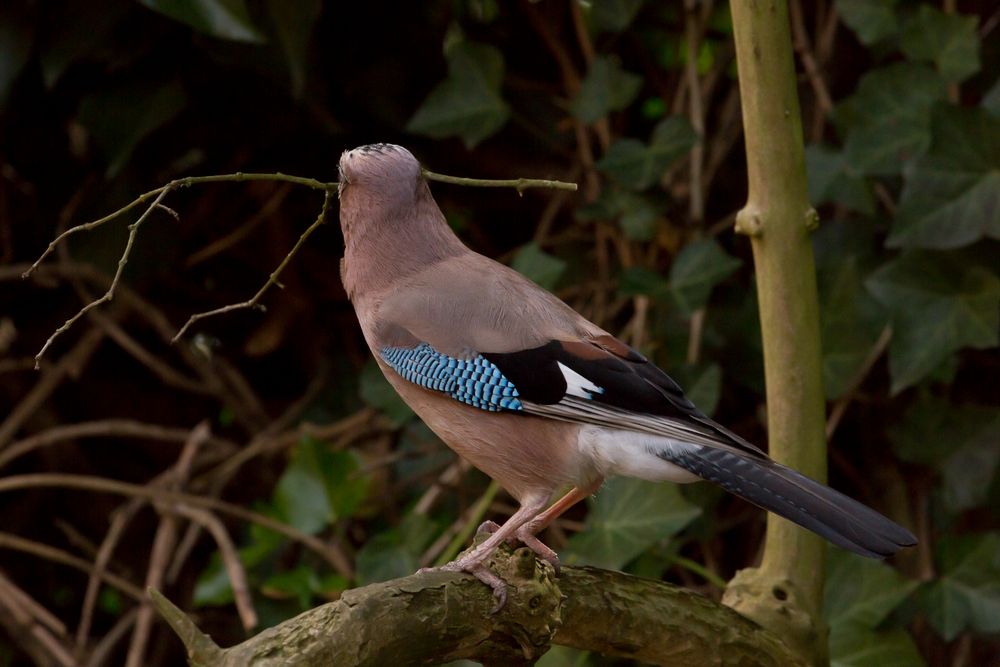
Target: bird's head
(384,172)
(390,220)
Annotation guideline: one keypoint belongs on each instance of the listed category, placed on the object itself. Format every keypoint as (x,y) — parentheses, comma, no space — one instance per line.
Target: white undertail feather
(633,454)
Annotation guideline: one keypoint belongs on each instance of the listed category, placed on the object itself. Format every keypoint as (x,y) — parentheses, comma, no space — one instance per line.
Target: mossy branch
(155,198)
(437,617)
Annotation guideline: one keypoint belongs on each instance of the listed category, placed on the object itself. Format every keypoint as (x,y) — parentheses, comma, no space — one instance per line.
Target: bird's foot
(540,548)
(478,569)
(526,535)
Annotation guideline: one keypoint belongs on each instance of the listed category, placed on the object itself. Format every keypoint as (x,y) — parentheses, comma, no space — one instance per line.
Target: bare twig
(253,302)
(47,383)
(105,428)
(230,560)
(519,184)
(133,229)
(32,626)
(98,484)
(17,543)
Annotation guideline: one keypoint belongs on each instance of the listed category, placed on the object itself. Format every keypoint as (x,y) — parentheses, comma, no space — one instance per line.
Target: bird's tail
(779,489)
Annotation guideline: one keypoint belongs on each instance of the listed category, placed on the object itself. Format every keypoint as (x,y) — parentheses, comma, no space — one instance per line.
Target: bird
(528,390)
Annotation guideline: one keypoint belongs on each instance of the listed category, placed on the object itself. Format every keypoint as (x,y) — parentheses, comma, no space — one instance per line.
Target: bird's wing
(490,338)
(497,342)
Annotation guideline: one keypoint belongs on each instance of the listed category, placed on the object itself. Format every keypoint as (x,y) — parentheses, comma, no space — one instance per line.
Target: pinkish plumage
(452,330)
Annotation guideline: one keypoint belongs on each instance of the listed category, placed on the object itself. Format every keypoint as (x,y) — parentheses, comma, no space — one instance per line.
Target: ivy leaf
(636,213)
(861,592)
(537,265)
(969,472)
(702,384)
(319,486)
(951,197)
(888,117)
(833,180)
(851,320)
(627,517)
(225,19)
(467,104)
(640,280)
(613,15)
(293,22)
(395,552)
(607,87)
(967,596)
(638,166)
(939,304)
(864,648)
(120,118)
(698,268)
(950,41)
(871,20)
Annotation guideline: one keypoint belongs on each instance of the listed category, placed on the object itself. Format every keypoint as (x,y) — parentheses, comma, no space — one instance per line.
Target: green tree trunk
(785,592)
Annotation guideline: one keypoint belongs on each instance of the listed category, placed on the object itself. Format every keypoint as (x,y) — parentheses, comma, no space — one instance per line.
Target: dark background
(105,100)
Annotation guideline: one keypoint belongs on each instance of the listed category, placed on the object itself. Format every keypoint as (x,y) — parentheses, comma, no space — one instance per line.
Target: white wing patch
(577,385)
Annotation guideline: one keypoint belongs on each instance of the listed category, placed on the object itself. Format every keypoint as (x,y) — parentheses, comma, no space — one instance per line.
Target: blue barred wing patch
(476,381)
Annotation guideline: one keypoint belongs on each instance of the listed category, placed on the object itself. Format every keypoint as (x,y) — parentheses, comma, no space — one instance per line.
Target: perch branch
(441,616)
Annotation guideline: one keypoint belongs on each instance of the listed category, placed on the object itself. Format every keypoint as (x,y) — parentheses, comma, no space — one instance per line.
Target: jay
(528,390)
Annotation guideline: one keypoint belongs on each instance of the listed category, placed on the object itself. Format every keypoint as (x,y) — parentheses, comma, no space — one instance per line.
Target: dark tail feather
(779,489)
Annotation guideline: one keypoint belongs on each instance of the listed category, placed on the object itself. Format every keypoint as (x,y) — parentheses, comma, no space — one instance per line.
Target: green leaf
(537,265)
(699,267)
(640,280)
(606,88)
(613,15)
(395,552)
(294,22)
(864,648)
(967,596)
(636,213)
(702,384)
(861,592)
(991,100)
(952,195)
(950,41)
(833,180)
(319,486)
(120,118)
(969,472)
(467,104)
(78,31)
(627,517)
(299,582)
(225,19)
(888,117)
(638,166)
(377,393)
(871,20)
(17,35)
(939,305)
(851,320)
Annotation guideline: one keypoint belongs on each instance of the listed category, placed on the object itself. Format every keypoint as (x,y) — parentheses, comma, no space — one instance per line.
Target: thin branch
(253,302)
(17,543)
(133,229)
(230,560)
(89,483)
(519,184)
(176,184)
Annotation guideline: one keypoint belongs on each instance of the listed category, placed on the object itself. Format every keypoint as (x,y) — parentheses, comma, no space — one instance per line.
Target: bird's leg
(526,533)
(474,561)
(575,495)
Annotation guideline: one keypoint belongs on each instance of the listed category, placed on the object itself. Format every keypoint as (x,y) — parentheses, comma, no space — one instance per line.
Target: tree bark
(786,591)
(435,617)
